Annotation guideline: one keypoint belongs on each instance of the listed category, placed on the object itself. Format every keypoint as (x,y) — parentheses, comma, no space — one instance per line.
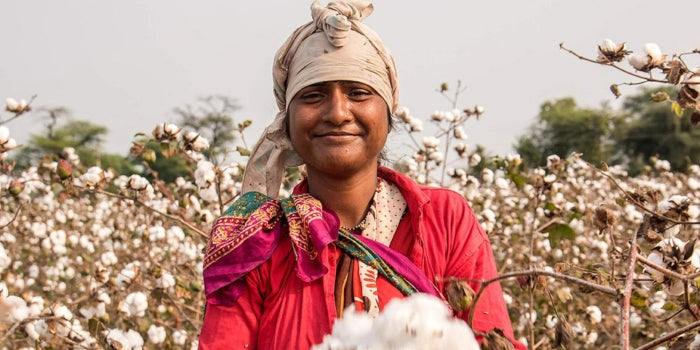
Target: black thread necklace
(362,224)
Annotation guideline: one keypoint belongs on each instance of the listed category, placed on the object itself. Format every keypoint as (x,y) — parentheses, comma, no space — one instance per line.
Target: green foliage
(166,167)
(562,128)
(83,136)
(655,130)
(559,231)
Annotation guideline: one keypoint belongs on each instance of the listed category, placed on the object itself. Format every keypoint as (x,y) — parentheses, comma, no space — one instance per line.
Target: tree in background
(212,117)
(654,130)
(82,136)
(562,127)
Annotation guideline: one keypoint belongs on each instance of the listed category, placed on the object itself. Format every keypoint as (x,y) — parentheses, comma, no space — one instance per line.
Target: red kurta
(277,310)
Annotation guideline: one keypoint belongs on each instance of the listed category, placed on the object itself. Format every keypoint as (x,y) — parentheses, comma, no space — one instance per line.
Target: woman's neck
(349,197)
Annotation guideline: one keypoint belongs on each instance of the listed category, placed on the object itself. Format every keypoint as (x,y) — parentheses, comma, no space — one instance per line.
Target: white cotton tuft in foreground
(420,321)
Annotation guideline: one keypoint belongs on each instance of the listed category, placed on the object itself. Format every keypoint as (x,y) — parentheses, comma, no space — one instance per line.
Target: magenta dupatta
(246,235)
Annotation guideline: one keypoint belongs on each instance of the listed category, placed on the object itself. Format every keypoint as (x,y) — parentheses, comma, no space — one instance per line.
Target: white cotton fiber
(420,321)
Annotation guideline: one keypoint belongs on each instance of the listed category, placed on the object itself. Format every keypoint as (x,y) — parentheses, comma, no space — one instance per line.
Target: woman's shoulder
(245,204)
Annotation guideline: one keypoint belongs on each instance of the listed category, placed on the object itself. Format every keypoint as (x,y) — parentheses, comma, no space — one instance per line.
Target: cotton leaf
(559,231)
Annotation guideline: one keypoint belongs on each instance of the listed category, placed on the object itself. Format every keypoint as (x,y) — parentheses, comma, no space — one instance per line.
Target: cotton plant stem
(13,218)
(635,202)
(531,291)
(485,283)
(627,297)
(661,269)
(669,336)
(612,64)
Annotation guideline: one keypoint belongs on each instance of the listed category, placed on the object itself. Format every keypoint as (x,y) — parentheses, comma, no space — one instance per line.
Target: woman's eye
(360,92)
(311,95)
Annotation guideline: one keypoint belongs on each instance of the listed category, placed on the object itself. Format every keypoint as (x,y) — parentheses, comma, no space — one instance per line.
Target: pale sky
(127,64)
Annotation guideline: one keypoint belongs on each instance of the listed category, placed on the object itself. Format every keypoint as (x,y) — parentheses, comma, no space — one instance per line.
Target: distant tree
(212,117)
(655,130)
(164,166)
(562,128)
(81,135)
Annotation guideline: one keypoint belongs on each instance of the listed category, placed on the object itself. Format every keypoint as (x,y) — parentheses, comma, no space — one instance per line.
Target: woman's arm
(234,326)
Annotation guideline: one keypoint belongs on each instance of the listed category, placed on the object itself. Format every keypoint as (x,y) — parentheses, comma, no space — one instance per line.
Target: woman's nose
(338,107)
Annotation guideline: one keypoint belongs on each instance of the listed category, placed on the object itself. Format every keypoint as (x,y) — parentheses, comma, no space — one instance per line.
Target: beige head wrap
(334,46)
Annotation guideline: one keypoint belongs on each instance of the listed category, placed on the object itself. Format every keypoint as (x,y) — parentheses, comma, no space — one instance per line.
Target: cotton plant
(90,250)
(431,162)
(650,60)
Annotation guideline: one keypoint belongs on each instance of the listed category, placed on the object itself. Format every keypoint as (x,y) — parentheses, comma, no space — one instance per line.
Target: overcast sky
(127,64)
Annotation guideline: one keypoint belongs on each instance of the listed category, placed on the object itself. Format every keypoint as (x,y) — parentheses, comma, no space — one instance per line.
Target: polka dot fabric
(383,219)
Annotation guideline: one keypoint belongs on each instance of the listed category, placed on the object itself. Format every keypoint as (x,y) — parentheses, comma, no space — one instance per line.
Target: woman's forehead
(340,82)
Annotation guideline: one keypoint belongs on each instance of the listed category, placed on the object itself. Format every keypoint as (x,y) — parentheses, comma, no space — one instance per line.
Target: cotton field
(92,259)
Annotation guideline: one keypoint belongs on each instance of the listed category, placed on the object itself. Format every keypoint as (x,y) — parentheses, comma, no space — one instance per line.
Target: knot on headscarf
(334,19)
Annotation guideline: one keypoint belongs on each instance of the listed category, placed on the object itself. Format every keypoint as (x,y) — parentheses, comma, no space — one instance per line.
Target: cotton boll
(135,304)
(594,314)
(420,321)
(695,345)
(353,329)
(135,339)
(657,308)
(654,51)
(179,337)
(13,309)
(166,280)
(635,320)
(117,339)
(430,142)
(156,334)
(638,61)
(591,337)
(427,325)
(31,330)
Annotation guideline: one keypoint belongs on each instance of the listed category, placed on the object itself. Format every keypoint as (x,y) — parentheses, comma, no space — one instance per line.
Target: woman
(279,272)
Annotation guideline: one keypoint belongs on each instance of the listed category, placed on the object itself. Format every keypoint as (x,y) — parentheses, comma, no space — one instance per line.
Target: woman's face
(338,127)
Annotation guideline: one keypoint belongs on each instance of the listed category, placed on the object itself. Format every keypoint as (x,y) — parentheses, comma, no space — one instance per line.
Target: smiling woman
(354,235)
(338,128)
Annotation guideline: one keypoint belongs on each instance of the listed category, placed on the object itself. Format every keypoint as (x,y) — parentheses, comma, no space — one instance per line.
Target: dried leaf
(615,90)
(604,218)
(695,118)
(687,97)
(563,335)
(689,249)
(496,340)
(659,96)
(674,71)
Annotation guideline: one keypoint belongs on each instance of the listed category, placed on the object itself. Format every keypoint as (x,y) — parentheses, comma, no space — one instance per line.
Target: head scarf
(334,46)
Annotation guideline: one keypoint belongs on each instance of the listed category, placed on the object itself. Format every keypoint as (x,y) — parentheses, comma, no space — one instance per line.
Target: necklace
(363,223)
(360,226)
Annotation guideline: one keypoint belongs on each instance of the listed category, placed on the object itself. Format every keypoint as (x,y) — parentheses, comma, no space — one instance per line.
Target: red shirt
(277,310)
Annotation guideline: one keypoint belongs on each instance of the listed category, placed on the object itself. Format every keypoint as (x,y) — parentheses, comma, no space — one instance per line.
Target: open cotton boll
(350,332)
(420,321)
